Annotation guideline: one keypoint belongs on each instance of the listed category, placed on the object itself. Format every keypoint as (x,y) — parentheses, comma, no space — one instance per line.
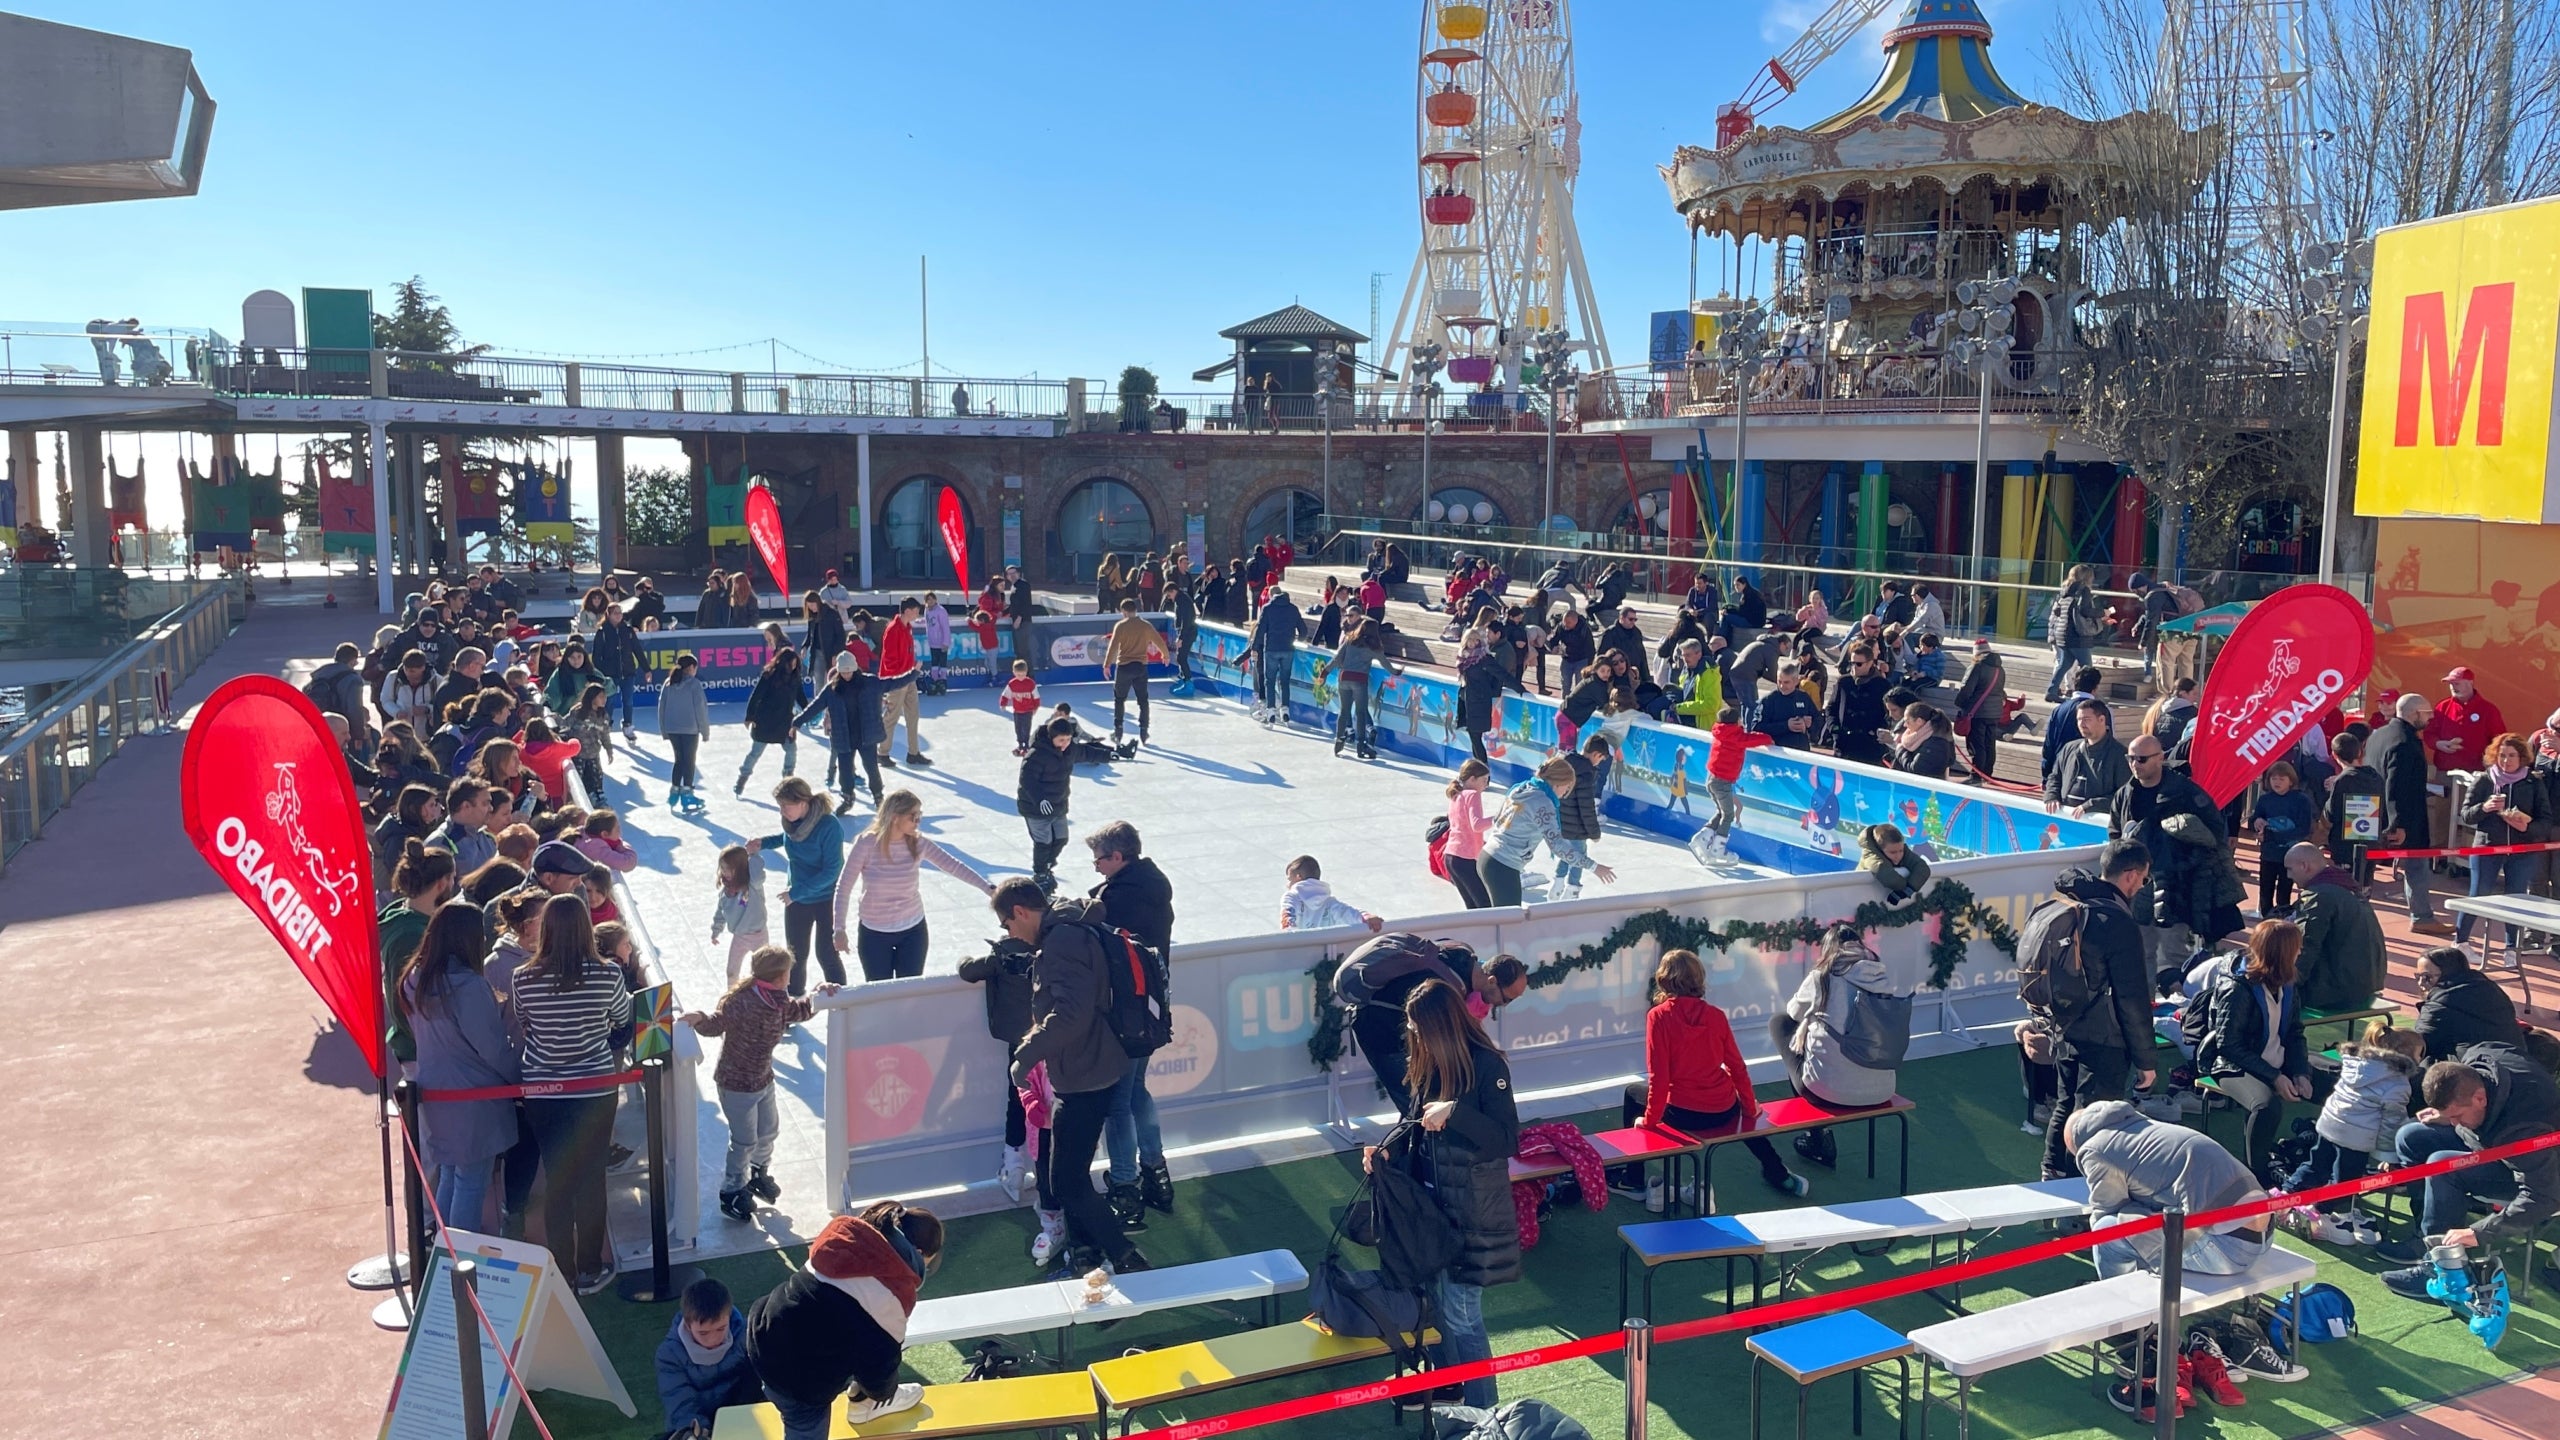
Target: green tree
(1137,395)
(420,325)
(657,505)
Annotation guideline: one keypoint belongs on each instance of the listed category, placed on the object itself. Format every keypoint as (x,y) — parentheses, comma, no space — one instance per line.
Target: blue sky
(1097,185)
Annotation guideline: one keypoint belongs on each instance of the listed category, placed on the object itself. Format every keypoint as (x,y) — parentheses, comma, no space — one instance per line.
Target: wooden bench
(1061,1305)
(1134,1382)
(1806,1231)
(1972,1346)
(1043,1403)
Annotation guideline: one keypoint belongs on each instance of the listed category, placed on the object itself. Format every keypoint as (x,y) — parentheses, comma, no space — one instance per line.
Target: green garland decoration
(1964,918)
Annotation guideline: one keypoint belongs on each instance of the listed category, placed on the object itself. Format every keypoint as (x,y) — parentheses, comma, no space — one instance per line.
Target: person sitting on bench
(841,1320)
(1843,1033)
(2486,1096)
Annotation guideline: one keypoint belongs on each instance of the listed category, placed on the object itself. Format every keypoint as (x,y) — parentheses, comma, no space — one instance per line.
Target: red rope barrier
(444,1235)
(2533,849)
(1760,1317)
(534,1090)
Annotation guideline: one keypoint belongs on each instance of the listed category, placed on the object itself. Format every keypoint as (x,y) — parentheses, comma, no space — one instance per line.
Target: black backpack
(1140,1014)
(2053,972)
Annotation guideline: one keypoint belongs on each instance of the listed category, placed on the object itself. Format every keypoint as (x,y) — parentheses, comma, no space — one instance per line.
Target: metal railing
(60,747)
(147,356)
(1844,381)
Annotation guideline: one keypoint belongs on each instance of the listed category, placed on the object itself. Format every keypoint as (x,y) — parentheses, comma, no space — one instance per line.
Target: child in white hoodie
(2361,1116)
(1309,903)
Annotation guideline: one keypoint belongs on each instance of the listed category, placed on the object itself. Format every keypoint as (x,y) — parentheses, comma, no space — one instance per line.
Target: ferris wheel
(1498,142)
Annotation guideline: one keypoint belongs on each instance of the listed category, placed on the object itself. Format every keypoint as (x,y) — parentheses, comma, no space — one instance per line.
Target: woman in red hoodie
(1695,1079)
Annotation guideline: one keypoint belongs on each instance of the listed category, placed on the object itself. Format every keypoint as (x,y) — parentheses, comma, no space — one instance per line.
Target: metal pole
(414,1194)
(2164,1355)
(862,502)
(2337,457)
(1639,1360)
(663,1282)
(1981,498)
(379,461)
(466,1344)
(1327,400)
(1543,517)
(1423,509)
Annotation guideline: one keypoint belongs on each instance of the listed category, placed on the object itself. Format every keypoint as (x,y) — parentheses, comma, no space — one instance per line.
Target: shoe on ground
(1425,1399)
(2430,927)
(1019,752)
(738,1204)
(2207,1373)
(920,762)
(2368,1230)
(1818,1148)
(764,1187)
(1009,1174)
(1132,1263)
(1632,1189)
(2263,1363)
(1656,1197)
(2402,1252)
(740,788)
(909,1396)
(2409,1283)
(1794,1184)
(620,1158)
(2133,1399)
(886,761)
(630,732)
(597,1282)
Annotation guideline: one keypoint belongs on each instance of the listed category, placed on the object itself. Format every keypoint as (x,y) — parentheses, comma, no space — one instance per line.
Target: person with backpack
(1071,1033)
(1135,896)
(837,1326)
(2072,626)
(2082,975)
(1374,981)
(1843,1033)
(338,689)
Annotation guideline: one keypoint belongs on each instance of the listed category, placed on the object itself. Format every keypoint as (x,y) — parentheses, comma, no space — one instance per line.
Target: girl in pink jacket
(1466,832)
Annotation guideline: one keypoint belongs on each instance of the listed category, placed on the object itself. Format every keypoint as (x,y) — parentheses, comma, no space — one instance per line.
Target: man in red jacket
(898,682)
(2465,723)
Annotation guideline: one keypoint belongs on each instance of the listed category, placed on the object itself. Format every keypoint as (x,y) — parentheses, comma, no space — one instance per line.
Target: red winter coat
(897,649)
(1691,1060)
(1725,744)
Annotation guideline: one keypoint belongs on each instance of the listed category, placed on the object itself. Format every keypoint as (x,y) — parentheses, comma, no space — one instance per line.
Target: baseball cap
(559,857)
(2460,672)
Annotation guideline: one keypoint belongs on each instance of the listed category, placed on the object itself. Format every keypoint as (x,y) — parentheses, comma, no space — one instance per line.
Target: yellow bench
(980,1407)
(1134,1382)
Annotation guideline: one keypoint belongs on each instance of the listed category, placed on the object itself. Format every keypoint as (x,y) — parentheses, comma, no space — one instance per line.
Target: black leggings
(1694,1122)
(1126,681)
(1017,1125)
(575,1134)
(841,776)
(681,773)
(1501,882)
(1470,883)
(890,954)
(1380,1031)
(800,920)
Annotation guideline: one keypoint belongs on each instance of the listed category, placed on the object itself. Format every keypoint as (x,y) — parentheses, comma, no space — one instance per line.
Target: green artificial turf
(1965,1132)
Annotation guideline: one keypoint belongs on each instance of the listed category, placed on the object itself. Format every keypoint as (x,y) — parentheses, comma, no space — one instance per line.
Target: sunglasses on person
(2143,757)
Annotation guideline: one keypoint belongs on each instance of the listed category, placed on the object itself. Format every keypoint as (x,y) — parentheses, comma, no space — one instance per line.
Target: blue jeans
(620,687)
(1273,683)
(1130,1133)
(755,752)
(1463,1338)
(462,1194)
(801,1421)
(2498,875)
(2203,1253)
(2448,1197)
(2066,658)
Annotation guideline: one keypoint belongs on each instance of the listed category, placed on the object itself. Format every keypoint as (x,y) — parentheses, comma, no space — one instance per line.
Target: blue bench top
(1660,1240)
(1829,1345)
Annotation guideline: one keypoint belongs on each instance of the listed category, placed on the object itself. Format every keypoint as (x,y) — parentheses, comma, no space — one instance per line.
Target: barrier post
(2164,1355)
(466,1341)
(1639,1358)
(664,1281)
(403,1305)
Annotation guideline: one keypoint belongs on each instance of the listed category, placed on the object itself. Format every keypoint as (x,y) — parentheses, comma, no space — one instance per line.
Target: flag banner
(471,487)
(267,799)
(222,515)
(724,509)
(764,526)
(542,499)
(266,500)
(346,509)
(955,533)
(2295,654)
(124,498)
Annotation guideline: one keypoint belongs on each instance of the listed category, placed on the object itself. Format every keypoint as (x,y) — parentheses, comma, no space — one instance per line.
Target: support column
(23,469)
(1750,512)
(609,502)
(1835,508)
(2018,517)
(407,456)
(378,458)
(88,454)
(1875,495)
(862,504)
(2132,499)
(2061,489)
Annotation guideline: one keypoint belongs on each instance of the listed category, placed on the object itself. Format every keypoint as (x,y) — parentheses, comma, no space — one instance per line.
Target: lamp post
(1743,337)
(1553,350)
(1974,338)
(1423,362)
(2337,298)
(1327,361)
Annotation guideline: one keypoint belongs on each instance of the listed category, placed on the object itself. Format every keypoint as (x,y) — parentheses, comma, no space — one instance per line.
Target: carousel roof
(1937,64)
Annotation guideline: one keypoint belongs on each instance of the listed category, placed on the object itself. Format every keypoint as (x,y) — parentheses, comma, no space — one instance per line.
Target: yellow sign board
(2459,370)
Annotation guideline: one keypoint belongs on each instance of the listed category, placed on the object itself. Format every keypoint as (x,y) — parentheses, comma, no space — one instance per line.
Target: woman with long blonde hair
(891,938)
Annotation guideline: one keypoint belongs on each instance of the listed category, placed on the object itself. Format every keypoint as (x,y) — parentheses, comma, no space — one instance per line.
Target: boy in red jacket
(1725,744)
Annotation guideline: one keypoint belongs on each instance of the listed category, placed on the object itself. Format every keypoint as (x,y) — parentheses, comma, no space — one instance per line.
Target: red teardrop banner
(764,527)
(955,533)
(265,795)
(2293,656)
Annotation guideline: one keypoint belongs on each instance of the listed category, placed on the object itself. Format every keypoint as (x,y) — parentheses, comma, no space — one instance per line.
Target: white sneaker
(2368,1230)
(1051,1239)
(1565,892)
(2335,1230)
(1009,1173)
(858,1412)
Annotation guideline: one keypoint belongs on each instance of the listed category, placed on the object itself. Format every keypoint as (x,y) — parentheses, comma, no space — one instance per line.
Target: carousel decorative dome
(1938,64)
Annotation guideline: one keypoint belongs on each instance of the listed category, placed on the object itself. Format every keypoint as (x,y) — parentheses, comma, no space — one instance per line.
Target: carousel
(1941,174)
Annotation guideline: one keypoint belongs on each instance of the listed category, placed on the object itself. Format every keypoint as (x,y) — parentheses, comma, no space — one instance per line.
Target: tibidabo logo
(284,900)
(1187,1058)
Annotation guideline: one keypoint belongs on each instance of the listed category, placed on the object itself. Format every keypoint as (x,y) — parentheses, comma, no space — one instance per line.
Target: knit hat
(853,1256)
(844,662)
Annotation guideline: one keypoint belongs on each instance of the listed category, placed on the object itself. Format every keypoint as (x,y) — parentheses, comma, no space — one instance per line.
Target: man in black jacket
(2485,1097)
(2091,769)
(1779,715)
(1856,708)
(1071,1032)
(2459,1006)
(615,650)
(1624,636)
(1134,896)
(2142,811)
(2111,1035)
(2399,751)
(1017,610)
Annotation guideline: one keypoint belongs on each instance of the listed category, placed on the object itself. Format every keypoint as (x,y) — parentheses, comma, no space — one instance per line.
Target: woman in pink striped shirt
(885,862)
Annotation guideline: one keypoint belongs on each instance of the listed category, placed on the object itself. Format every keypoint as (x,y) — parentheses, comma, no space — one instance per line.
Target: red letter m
(2487,324)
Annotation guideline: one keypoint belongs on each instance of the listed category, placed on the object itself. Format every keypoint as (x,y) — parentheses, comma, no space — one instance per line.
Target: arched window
(1100,517)
(1296,516)
(1460,506)
(911,536)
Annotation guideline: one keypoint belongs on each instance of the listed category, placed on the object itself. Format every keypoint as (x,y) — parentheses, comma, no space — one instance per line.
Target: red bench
(1799,1113)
